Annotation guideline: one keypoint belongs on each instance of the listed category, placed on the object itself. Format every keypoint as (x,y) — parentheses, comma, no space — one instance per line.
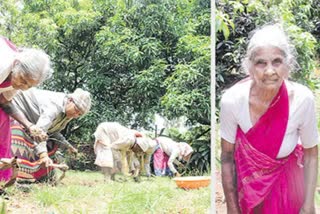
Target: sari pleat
(5,133)
(5,141)
(160,163)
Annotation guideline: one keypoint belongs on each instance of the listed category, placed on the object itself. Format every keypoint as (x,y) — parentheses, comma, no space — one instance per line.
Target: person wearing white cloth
(117,147)
(167,154)
(112,143)
(51,112)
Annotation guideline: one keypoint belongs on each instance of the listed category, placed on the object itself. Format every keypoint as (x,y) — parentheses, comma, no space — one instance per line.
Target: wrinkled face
(72,111)
(268,68)
(22,82)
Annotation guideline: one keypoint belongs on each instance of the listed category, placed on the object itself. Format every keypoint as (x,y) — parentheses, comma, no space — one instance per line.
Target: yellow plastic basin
(192,182)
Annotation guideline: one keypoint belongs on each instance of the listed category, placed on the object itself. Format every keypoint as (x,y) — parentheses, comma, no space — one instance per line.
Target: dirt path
(220,203)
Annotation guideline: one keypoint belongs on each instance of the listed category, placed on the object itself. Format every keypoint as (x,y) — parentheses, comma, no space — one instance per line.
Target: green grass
(85,192)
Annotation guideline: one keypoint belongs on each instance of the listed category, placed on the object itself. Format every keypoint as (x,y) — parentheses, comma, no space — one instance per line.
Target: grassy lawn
(85,192)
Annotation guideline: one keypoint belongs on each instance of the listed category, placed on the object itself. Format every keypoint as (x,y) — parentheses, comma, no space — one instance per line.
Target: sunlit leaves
(222,23)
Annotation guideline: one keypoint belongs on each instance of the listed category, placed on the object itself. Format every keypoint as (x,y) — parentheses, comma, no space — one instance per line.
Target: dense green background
(136,57)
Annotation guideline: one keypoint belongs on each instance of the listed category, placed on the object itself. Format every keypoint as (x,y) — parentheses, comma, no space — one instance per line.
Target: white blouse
(302,124)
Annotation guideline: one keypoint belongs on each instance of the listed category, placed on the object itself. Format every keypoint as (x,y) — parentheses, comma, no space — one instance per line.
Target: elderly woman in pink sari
(19,70)
(269,133)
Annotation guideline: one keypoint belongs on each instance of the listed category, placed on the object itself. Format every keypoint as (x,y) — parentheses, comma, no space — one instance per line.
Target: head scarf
(82,100)
(185,149)
(143,142)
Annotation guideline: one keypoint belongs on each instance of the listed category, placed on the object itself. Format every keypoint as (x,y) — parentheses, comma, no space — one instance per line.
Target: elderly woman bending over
(115,146)
(109,160)
(166,155)
(264,167)
(50,112)
(19,70)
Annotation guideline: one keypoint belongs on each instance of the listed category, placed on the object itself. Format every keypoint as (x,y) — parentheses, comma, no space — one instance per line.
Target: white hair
(144,142)
(185,149)
(34,64)
(270,35)
(82,99)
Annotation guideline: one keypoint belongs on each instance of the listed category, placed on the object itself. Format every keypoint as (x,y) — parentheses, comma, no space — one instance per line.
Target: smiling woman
(262,120)
(268,67)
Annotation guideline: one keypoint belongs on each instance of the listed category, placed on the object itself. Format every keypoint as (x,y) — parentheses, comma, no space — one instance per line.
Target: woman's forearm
(229,182)
(229,177)
(21,118)
(310,177)
(11,110)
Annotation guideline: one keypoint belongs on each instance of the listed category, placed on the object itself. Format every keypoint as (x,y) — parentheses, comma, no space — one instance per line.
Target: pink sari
(5,138)
(266,184)
(5,131)
(160,162)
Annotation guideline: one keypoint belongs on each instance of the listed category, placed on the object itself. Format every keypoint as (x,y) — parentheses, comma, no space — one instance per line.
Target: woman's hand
(37,133)
(6,163)
(177,174)
(44,159)
(73,150)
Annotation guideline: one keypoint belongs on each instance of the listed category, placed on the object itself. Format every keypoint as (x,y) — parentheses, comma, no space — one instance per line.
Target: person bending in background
(166,155)
(143,149)
(113,144)
(51,112)
(19,70)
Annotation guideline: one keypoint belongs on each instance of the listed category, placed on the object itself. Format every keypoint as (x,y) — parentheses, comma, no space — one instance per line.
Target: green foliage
(187,88)
(222,23)
(3,207)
